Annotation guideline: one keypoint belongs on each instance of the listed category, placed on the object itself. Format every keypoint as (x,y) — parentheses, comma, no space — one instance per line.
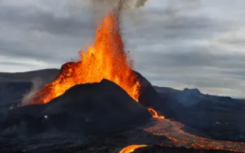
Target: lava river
(173,131)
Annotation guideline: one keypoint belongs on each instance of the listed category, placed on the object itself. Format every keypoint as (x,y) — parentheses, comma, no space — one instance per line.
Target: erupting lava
(106,59)
(155,114)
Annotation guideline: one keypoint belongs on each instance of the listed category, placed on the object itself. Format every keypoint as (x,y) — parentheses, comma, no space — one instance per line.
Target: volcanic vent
(105,59)
(93,94)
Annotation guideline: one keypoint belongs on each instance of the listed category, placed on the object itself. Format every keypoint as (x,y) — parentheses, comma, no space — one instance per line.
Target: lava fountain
(105,59)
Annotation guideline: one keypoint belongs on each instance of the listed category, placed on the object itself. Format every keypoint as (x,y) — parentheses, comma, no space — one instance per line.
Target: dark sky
(175,43)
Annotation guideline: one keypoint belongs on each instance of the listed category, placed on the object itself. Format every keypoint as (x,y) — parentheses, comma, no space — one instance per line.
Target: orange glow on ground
(173,131)
(131,148)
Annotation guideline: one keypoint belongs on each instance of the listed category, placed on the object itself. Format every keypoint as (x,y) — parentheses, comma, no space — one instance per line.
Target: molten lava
(131,148)
(173,131)
(105,59)
(155,114)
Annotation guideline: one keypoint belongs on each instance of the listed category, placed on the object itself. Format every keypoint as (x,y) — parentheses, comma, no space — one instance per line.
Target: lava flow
(105,59)
(131,148)
(173,131)
(155,114)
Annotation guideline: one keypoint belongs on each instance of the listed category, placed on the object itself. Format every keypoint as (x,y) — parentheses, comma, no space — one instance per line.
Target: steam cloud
(37,84)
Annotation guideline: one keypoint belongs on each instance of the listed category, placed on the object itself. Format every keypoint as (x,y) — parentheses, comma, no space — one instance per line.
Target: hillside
(217,116)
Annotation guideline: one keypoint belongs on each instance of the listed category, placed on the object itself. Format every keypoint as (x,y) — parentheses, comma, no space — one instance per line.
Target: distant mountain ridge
(47,75)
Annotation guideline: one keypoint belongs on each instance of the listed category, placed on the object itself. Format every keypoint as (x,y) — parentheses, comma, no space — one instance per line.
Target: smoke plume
(128,7)
(126,4)
(140,3)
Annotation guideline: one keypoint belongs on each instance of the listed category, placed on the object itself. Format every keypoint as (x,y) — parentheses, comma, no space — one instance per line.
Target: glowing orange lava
(105,59)
(173,131)
(155,114)
(131,148)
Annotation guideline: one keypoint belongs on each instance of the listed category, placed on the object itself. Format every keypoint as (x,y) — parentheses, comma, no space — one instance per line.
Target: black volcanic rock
(150,98)
(216,116)
(159,149)
(83,109)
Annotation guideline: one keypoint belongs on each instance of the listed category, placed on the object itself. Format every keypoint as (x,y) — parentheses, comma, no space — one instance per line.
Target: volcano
(105,59)
(101,101)
(81,110)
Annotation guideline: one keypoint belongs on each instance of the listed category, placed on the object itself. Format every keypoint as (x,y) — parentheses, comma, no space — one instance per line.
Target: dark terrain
(215,117)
